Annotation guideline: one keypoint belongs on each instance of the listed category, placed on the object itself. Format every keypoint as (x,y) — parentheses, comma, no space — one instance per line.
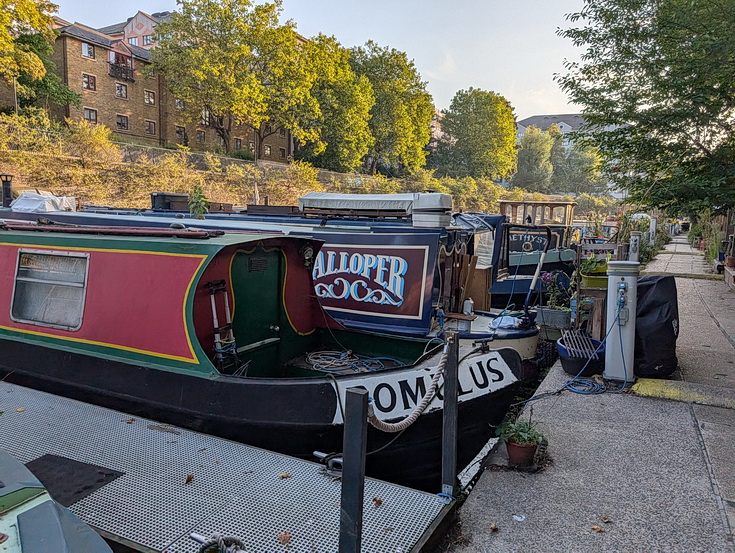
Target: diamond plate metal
(236,489)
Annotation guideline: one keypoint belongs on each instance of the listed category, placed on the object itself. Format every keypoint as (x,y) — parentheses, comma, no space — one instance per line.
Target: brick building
(107,67)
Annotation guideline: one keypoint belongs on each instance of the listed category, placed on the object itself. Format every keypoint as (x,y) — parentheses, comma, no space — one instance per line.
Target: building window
(121,122)
(251,146)
(206,116)
(267,150)
(121,91)
(282,132)
(200,137)
(179,104)
(50,289)
(180,135)
(238,144)
(267,128)
(90,115)
(89,82)
(133,40)
(87,50)
(282,153)
(147,40)
(150,128)
(149,97)
(220,140)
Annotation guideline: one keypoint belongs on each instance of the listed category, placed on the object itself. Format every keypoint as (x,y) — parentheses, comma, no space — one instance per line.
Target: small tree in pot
(521,438)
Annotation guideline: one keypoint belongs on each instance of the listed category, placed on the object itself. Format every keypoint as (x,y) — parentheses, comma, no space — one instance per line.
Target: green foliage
(534,165)
(579,171)
(590,265)
(90,143)
(591,206)
(18,18)
(523,432)
(234,59)
(198,203)
(345,101)
(400,118)
(242,154)
(49,88)
(479,137)
(657,82)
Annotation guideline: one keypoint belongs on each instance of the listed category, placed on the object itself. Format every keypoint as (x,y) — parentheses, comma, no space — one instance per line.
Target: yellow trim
(193,358)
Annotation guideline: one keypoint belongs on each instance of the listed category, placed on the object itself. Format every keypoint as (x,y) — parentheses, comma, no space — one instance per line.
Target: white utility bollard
(634,248)
(622,290)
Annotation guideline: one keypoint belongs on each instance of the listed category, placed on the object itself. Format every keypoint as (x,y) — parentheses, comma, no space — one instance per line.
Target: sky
(507,46)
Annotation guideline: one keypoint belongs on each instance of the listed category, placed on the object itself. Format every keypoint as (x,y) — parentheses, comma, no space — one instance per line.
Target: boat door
(257,281)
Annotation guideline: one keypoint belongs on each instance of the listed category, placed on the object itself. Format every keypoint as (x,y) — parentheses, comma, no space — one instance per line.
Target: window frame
(125,87)
(146,127)
(91,47)
(203,135)
(146,92)
(133,40)
(267,150)
(147,40)
(127,122)
(183,133)
(84,286)
(179,104)
(282,153)
(94,82)
(282,132)
(237,143)
(96,119)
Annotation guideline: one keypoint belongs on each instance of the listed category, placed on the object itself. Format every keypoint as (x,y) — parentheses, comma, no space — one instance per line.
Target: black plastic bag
(657,327)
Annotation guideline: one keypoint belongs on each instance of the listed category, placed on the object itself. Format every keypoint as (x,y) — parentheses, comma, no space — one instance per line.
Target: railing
(120,71)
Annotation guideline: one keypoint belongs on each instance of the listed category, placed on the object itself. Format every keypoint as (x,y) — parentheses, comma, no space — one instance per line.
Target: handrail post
(353,470)
(451,411)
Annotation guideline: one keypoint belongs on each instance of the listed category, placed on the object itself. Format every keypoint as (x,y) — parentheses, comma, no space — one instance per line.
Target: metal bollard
(451,411)
(634,250)
(353,471)
(7,182)
(622,301)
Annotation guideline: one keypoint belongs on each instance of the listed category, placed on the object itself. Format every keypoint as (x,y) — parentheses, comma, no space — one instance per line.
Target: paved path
(657,462)
(679,258)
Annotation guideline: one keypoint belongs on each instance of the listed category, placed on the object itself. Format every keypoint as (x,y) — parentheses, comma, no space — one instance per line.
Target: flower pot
(730,261)
(520,455)
(553,318)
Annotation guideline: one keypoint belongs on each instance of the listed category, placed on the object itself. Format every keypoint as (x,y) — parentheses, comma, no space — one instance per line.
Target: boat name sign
(396,394)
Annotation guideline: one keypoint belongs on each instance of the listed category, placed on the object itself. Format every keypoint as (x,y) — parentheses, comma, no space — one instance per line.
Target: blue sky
(508,46)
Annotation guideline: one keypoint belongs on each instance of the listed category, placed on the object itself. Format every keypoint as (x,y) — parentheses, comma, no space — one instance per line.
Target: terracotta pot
(730,261)
(520,455)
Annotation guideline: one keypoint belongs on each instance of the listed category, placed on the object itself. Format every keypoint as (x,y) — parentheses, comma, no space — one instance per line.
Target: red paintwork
(133,301)
(115,231)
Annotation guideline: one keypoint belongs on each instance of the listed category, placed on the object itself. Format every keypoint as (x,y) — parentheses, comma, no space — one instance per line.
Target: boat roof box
(424,209)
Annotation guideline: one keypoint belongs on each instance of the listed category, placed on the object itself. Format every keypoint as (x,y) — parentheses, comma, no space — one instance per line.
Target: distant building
(567,122)
(107,68)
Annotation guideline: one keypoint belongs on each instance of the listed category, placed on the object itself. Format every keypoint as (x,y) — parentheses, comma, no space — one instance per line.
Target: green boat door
(257,281)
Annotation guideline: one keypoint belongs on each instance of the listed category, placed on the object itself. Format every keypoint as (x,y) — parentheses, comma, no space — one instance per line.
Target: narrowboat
(223,333)
(31,521)
(437,258)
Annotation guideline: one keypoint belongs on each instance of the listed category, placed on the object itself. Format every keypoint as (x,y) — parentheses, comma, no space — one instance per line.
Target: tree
(579,171)
(232,61)
(479,136)
(557,156)
(657,82)
(49,88)
(18,18)
(400,119)
(345,101)
(534,165)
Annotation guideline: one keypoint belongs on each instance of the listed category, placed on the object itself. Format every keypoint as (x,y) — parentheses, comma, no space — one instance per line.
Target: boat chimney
(7,181)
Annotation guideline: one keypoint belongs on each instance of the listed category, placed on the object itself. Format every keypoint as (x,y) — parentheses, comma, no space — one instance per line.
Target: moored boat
(222,333)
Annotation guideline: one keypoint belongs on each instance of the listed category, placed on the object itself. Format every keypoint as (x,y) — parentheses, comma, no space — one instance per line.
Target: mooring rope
(420,408)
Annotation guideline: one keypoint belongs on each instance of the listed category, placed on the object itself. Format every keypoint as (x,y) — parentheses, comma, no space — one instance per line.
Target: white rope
(420,408)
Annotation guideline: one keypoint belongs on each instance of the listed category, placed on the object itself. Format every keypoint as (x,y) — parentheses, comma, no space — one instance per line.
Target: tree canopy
(50,87)
(18,18)
(479,136)
(400,119)
(345,101)
(534,165)
(237,62)
(657,86)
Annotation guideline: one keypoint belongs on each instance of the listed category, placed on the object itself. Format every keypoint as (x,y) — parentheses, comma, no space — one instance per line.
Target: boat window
(50,289)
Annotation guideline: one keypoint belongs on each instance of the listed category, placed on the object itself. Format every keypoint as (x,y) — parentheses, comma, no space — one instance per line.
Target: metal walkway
(263,498)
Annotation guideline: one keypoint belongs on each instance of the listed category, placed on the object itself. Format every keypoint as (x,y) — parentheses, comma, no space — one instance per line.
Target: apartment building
(108,68)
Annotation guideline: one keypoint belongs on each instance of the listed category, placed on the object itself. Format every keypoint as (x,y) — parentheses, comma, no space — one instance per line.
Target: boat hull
(291,416)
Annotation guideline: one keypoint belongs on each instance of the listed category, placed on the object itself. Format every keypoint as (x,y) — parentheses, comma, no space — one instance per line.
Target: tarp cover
(657,327)
(405,203)
(31,202)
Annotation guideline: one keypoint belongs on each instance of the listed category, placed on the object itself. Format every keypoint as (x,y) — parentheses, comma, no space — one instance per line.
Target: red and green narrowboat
(222,333)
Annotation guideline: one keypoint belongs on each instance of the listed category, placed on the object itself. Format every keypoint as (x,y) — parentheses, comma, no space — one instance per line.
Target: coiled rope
(420,408)
(222,544)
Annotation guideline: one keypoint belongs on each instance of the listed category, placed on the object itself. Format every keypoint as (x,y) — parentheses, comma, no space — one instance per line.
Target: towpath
(646,471)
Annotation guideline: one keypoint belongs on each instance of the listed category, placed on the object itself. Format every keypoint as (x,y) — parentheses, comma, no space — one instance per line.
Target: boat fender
(177,226)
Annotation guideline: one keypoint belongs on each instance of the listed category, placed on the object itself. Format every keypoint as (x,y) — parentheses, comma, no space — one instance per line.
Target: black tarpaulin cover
(657,327)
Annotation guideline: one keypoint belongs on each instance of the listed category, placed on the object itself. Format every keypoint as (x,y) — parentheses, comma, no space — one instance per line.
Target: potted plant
(556,313)
(592,270)
(522,439)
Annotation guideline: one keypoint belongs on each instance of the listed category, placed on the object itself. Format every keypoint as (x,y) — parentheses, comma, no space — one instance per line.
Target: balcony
(120,71)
